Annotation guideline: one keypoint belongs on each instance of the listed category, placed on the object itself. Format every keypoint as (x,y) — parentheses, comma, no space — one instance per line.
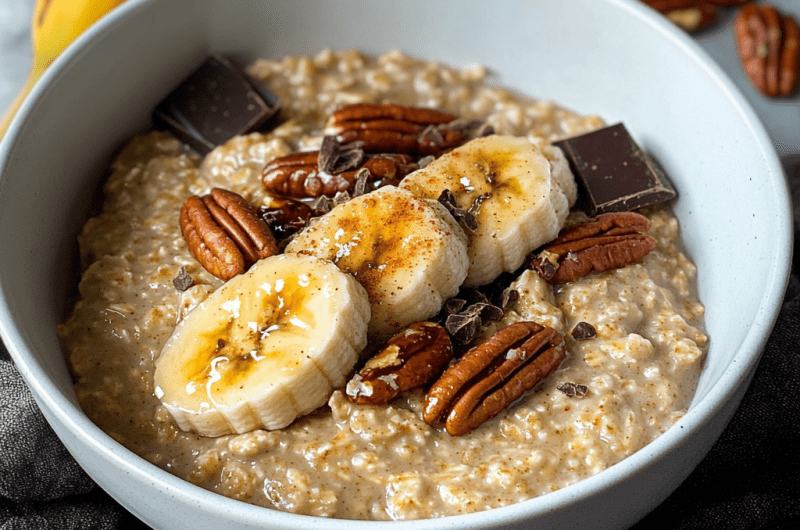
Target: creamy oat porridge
(613,393)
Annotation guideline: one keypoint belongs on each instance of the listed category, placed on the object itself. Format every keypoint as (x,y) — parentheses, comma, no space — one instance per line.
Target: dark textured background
(749,480)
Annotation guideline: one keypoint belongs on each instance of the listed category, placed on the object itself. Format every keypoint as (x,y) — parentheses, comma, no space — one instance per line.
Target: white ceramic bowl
(610,57)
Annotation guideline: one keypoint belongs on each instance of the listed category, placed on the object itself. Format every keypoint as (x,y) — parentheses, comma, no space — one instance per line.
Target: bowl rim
(733,377)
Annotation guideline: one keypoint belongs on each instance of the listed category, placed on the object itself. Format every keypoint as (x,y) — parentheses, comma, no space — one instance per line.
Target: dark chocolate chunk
(215,103)
(614,173)
(583,331)
(182,281)
(573,389)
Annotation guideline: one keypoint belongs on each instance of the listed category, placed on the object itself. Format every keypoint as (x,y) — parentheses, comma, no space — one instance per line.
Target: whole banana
(55,24)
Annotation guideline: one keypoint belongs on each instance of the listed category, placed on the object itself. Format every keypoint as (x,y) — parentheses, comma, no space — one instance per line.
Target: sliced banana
(267,347)
(520,196)
(408,252)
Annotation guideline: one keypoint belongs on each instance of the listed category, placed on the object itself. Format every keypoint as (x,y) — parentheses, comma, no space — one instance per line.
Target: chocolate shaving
(486,130)
(183,280)
(424,161)
(432,133)
(452,306)
(360,185)
(463,125)
(463,328)
(464,324)
(509,295)
(545,267)
(337,158)
(486,311)
(464,218)
(584,331)
(474,296)
(475,207)
(322,204)
(341,197)
(573,389)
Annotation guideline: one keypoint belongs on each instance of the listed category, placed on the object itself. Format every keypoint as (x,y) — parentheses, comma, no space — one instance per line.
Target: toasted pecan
(409,359)
(769,49)
(606,242)
(224,233)
(298,175)
(393,128)
(492,375)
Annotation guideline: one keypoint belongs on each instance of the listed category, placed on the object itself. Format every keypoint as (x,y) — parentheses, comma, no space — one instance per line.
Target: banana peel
(55,24)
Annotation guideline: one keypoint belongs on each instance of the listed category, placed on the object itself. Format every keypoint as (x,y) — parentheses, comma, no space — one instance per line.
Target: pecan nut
(691,15)
(224,233)
(609,241)
(492,375)
(769,49)
(409,359)
(393,128)
(298,175)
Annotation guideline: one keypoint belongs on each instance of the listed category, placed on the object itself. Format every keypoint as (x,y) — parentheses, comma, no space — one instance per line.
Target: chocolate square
(215,103)
(613,172)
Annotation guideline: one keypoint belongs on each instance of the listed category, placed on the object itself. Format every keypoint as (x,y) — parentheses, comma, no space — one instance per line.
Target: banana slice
(409,253)
(267,347)
(520,196)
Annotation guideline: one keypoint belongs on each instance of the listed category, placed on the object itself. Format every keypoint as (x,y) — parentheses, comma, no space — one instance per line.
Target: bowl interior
(597,57)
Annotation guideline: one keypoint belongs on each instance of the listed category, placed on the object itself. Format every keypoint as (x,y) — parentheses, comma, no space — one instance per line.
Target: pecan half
(609,241)
(298,175)
(408,360)
(224,233)
(393,128)
(769,48)
(492,375)
(691,15)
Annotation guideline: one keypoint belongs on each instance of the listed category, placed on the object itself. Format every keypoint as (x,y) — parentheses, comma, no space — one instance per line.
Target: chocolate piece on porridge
(468,313)
(583,331)
(615,174)
(573,389)
(214,104)
(183,280)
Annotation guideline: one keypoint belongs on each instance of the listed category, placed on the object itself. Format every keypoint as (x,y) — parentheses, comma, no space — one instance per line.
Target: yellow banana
(55,24)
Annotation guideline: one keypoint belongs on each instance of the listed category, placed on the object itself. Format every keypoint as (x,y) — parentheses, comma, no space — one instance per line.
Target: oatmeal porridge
(631,338)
